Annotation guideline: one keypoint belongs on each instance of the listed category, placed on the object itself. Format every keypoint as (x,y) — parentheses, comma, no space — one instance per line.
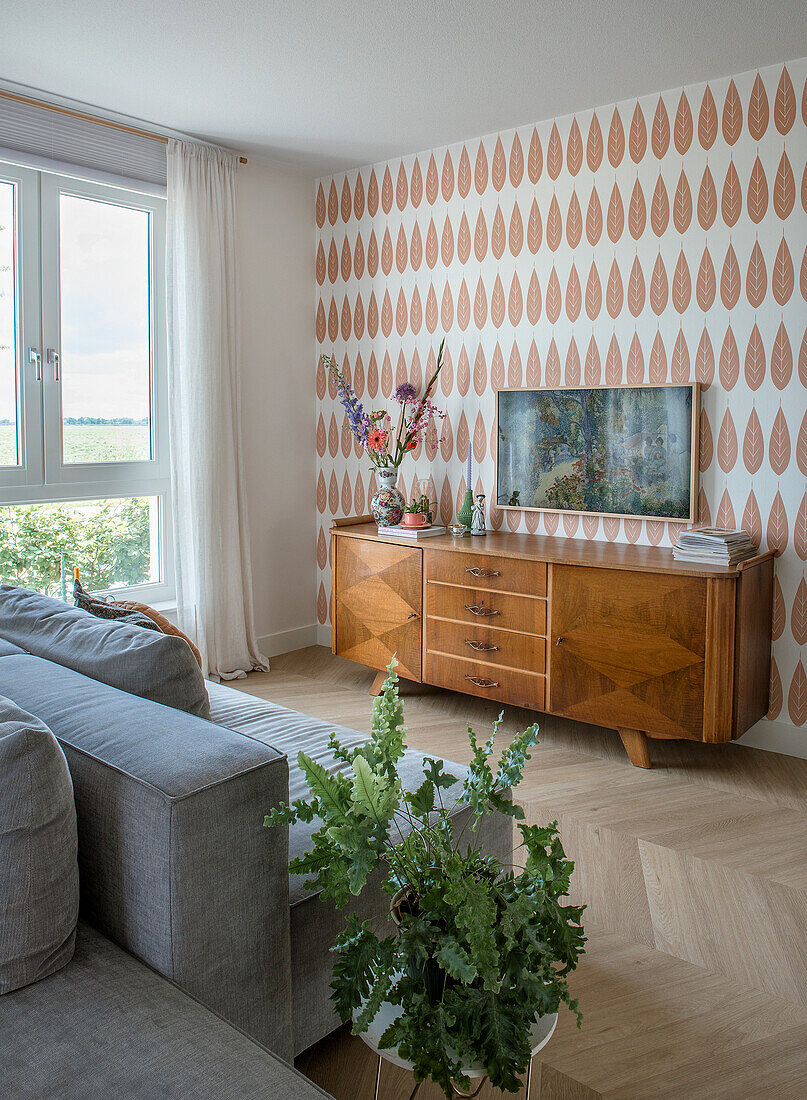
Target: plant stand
(457,1092)
(542,1031)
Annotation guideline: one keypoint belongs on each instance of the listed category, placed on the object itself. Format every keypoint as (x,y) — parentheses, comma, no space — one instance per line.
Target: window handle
(55,359)
(35,356)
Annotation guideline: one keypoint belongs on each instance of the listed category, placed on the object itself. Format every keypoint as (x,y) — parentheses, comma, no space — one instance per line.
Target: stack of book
(714,546)
(413,533)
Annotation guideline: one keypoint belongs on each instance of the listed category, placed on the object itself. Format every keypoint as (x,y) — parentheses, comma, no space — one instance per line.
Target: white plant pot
(540,1034)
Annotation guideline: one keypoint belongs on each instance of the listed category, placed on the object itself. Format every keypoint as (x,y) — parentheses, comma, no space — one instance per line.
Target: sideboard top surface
(562,551)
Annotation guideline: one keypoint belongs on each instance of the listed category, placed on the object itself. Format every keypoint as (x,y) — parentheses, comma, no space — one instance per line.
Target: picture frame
(694,390)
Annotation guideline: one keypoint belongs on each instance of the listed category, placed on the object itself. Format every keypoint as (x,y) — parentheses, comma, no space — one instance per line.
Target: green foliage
(482,949)
(108,540)
(483,789)
(419,504)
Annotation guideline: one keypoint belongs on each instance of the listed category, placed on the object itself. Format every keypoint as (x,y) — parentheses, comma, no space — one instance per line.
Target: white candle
(468,476)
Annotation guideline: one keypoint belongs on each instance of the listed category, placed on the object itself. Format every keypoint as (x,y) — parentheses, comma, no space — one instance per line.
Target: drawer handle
(477,572)
(481,682)
(481,647)
(480,609)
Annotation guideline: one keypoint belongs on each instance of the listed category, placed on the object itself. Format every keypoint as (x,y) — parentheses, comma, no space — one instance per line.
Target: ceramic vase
(465,513)
(387,505)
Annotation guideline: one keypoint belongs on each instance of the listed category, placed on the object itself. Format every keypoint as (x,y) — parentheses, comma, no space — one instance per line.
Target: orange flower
(376,440)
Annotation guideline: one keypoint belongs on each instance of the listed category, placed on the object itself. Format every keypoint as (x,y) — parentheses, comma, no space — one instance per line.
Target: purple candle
(468,475)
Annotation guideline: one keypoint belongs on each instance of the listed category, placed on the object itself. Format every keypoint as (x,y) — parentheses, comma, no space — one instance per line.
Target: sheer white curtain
(214,586)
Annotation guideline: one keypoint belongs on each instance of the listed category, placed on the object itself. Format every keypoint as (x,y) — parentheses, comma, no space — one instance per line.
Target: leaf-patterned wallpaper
(661,239)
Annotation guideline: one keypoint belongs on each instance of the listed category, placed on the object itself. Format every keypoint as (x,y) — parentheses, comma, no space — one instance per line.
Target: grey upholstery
(38,852)
(106,1026)
(174,861)
(315,924)
(147,663)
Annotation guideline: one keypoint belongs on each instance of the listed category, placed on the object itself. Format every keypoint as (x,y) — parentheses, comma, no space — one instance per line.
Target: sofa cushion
(143,662)
(38,851)
(159,622)
(103,609)
(108,1026)
(290,732)
(175,863)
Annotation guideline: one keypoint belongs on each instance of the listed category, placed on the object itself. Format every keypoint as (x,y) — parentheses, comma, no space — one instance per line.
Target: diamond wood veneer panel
(628,652)
(379,605)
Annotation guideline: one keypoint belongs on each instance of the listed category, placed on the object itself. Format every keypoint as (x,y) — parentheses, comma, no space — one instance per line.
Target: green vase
(465,514)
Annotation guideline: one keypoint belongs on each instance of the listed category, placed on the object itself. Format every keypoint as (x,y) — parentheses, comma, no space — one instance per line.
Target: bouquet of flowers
(416,418)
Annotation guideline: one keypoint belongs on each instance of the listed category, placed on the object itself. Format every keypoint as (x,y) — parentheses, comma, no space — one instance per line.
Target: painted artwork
(623,451)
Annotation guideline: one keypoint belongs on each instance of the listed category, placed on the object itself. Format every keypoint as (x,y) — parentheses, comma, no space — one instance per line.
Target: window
(84,477)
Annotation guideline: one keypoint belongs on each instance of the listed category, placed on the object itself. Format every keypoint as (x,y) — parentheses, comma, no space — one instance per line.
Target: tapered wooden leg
(635,742)
(378,683)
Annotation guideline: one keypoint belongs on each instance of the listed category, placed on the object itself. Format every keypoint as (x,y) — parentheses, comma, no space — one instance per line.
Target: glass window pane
(114,544)
(105,331)
(9,450)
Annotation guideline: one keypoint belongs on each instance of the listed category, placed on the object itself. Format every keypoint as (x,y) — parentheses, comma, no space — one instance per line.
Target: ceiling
(328,86)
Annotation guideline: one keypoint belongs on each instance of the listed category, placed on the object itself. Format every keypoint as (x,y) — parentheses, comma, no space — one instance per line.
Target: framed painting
(626,451)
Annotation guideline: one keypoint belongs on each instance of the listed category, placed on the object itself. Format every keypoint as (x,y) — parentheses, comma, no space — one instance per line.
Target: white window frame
(42,476)
(28,328)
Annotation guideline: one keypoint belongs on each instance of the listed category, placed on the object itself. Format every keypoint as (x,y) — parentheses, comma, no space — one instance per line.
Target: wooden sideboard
(620,636)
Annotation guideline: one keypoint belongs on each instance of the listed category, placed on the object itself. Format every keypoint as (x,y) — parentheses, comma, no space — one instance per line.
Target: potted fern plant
(479,951)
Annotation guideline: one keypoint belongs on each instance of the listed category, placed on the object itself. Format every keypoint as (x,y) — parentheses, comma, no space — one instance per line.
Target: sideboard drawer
(487,571)
(505,685)
(489,608)
(487,645)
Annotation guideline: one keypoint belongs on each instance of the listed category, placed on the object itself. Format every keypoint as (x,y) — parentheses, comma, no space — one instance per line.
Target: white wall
(277,351)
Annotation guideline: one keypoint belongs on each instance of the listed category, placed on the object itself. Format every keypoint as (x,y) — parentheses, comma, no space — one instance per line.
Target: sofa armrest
(175,864)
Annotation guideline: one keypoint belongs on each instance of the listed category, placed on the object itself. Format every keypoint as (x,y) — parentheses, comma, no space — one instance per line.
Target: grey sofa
(108,1026)
(176,867)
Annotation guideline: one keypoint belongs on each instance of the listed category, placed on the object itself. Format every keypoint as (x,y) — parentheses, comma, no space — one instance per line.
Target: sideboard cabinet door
(627,649)
(378,602)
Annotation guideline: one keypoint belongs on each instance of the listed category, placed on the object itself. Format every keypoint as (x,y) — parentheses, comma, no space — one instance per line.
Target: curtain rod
(89,118)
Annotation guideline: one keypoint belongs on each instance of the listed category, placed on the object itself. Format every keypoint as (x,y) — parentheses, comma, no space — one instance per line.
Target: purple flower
(405,393)
(358,420)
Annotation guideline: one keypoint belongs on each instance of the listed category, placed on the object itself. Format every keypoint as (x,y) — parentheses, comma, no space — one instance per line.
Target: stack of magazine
(714,546)
(413,533)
